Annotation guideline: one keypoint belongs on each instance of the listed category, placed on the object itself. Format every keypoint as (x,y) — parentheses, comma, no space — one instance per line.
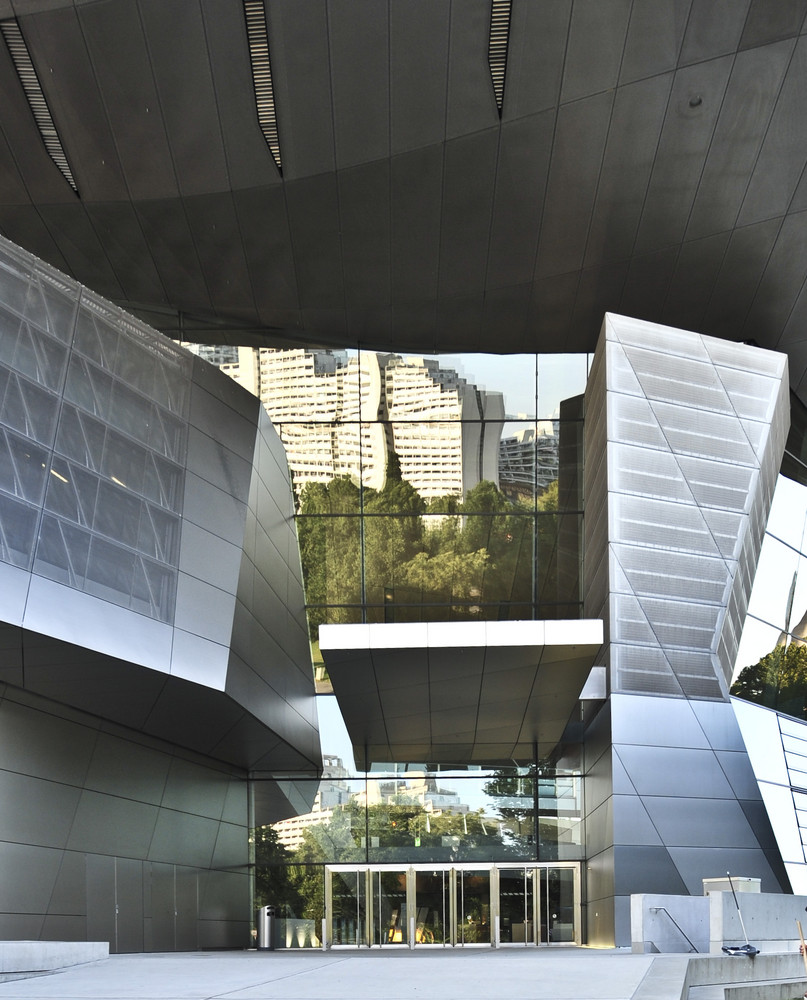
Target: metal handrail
(655,909)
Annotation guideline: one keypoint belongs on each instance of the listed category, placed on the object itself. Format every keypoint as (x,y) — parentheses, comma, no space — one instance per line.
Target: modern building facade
(484,176)
(155,648)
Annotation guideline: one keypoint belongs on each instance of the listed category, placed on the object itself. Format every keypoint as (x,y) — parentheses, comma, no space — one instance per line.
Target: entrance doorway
(453,906)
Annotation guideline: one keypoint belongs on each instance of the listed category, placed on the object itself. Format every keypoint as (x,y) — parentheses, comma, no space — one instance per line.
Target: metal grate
(497,47)
(36,99)
(262,75)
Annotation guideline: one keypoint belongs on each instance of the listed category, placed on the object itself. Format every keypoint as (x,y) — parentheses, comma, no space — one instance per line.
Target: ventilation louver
(262,75)
(497,47)
(36,99)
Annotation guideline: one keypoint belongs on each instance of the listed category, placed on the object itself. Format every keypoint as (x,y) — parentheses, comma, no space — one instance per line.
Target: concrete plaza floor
(551,974)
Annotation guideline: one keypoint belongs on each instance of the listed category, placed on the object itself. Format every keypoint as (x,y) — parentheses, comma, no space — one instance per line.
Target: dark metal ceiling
(649,160)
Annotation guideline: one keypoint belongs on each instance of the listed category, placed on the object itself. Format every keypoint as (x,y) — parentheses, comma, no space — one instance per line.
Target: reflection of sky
(779,562)
(558,377)
(518,376)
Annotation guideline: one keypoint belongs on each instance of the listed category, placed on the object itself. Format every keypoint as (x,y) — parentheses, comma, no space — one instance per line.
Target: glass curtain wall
(431,488)
(427,489)
(410,816)
(771,667)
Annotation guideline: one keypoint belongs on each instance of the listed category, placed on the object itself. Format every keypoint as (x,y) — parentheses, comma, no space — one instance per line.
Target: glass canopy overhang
(458,692)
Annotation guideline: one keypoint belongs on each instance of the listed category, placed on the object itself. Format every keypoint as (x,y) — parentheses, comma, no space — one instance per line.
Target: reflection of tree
(512,796)
(481,551)
(778,680)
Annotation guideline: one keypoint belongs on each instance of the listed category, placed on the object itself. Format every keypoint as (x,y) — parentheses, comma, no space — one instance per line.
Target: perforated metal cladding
(695,435)
(106,460)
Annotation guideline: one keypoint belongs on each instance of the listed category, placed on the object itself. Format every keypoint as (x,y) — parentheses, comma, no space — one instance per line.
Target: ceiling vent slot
(36,99)
(262,75)
(497,47)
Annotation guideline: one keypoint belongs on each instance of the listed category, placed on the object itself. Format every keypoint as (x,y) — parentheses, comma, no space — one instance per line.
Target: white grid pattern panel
(695,436)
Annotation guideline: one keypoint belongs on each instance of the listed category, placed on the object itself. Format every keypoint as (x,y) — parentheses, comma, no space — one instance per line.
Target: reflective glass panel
(390,923)
(432,907)
(348,908)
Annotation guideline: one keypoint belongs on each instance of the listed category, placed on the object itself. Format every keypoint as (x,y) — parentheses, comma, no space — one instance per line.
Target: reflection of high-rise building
(445,430)
(528,459)
(333,792)
(341,415)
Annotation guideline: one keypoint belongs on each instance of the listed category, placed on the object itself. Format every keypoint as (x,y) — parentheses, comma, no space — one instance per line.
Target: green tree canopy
(778,680)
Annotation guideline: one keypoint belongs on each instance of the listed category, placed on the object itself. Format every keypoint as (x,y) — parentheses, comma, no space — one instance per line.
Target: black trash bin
(266,928)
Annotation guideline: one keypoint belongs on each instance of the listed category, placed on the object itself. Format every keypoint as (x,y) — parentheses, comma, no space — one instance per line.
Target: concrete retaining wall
(32,957)
(704,924)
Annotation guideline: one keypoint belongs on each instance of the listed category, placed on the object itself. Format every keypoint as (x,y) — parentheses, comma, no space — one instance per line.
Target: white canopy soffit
(458,692)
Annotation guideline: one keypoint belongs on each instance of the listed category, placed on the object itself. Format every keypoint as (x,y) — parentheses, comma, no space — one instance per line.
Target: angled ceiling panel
(313,207)
(781,161)
(301,78)
(360,80)
(692,281)
(714,29)
(633,136)
(647,282)
(170,242)
(176,34)
(654,38)
(416,192)
(594,50)
(120,59)
(580,136)
(771,21)
(535,51)
(248,159)
(364,194)
(76,103)
(755,81)
(782,280)
(469,179)
(119,232)
(743,266)
(213,222)
(80,243)
(695,102)
(418,42)
(521,175)
(471,103)
(599,291)
(264,225)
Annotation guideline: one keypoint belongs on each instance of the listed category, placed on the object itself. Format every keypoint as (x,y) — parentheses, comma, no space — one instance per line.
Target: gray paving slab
(578,974)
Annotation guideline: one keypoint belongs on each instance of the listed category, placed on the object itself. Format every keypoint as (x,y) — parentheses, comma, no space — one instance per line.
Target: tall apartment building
(341,415)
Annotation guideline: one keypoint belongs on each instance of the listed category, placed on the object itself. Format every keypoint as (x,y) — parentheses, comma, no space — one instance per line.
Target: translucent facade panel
(753,396)
(681,380)
(100,481)
(27,408)
(18,524)
(660,524)
(694,433)
(13,288)
(683,576)
(23,467)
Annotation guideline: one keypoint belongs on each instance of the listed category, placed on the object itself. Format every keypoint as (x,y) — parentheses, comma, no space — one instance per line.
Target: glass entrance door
(458,906)
(558,906)
(434,913)
(472,890)
(347,909)
(389,913)
(517,901)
